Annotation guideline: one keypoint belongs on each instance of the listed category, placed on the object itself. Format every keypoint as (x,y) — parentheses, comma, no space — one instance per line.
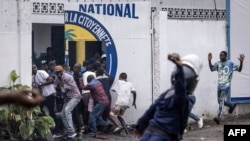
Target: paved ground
(210,131)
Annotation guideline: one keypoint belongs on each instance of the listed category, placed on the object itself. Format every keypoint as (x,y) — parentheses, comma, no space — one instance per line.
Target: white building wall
(15,39)
(191,36)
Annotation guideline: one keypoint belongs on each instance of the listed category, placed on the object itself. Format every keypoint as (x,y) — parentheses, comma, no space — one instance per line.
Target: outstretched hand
(175,58)
(28,98)
(241,58)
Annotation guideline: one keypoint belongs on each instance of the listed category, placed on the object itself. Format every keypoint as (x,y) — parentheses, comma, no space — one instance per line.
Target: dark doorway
(58,43)
(72,53)
(92,47)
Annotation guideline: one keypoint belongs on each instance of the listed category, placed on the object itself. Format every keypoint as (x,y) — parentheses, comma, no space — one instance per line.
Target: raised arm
(209,61)
(241,58)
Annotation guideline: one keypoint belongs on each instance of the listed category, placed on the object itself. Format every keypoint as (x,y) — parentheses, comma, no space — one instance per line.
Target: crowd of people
(79,101)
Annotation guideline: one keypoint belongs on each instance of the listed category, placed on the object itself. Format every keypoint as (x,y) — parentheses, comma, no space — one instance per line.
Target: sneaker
(217,120)
(117,129)
(71,135)
(57,135)
(231,109)
(200,123)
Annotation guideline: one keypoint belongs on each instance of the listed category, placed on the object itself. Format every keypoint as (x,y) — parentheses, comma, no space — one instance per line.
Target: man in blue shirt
(167,117)
(225,70)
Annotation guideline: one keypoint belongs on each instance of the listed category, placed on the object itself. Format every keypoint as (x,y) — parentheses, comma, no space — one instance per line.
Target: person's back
(85,75)
(123,89)
(167,117)
(97,91)
(171,102)
(107,82)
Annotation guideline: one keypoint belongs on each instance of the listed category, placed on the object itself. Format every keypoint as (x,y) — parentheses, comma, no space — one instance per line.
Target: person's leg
(97,111)
(70,105)
(194,117)
(228,101)
(221,99)
(63,115)
(121,119)
(227,98)
(50,103)
(77,118)
(197,119)
(59,105)
(100,121)
(192,101)
(106,112)
(85,113)
(113,118)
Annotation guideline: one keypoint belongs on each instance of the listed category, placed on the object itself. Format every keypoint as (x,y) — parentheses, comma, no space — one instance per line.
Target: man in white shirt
(42,79)
(123,89)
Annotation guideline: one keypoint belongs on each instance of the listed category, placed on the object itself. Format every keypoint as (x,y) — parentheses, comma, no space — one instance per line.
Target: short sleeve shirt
(123,90)
(225,72)
(41,77)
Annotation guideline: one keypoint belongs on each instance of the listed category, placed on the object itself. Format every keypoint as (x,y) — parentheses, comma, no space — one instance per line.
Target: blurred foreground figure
(166,119)
(24,97)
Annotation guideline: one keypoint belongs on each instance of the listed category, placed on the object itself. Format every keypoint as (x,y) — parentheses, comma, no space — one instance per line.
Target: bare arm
(134,97)
(209,61)
(49,80)
(27,98)
(241,58)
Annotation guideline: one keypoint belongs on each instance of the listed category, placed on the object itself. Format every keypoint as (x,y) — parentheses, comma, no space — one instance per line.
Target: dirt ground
(213,132)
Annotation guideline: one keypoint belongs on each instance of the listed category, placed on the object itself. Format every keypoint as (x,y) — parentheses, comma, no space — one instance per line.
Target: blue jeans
(68,107)
(96,116)
(192,100)
(223,99)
